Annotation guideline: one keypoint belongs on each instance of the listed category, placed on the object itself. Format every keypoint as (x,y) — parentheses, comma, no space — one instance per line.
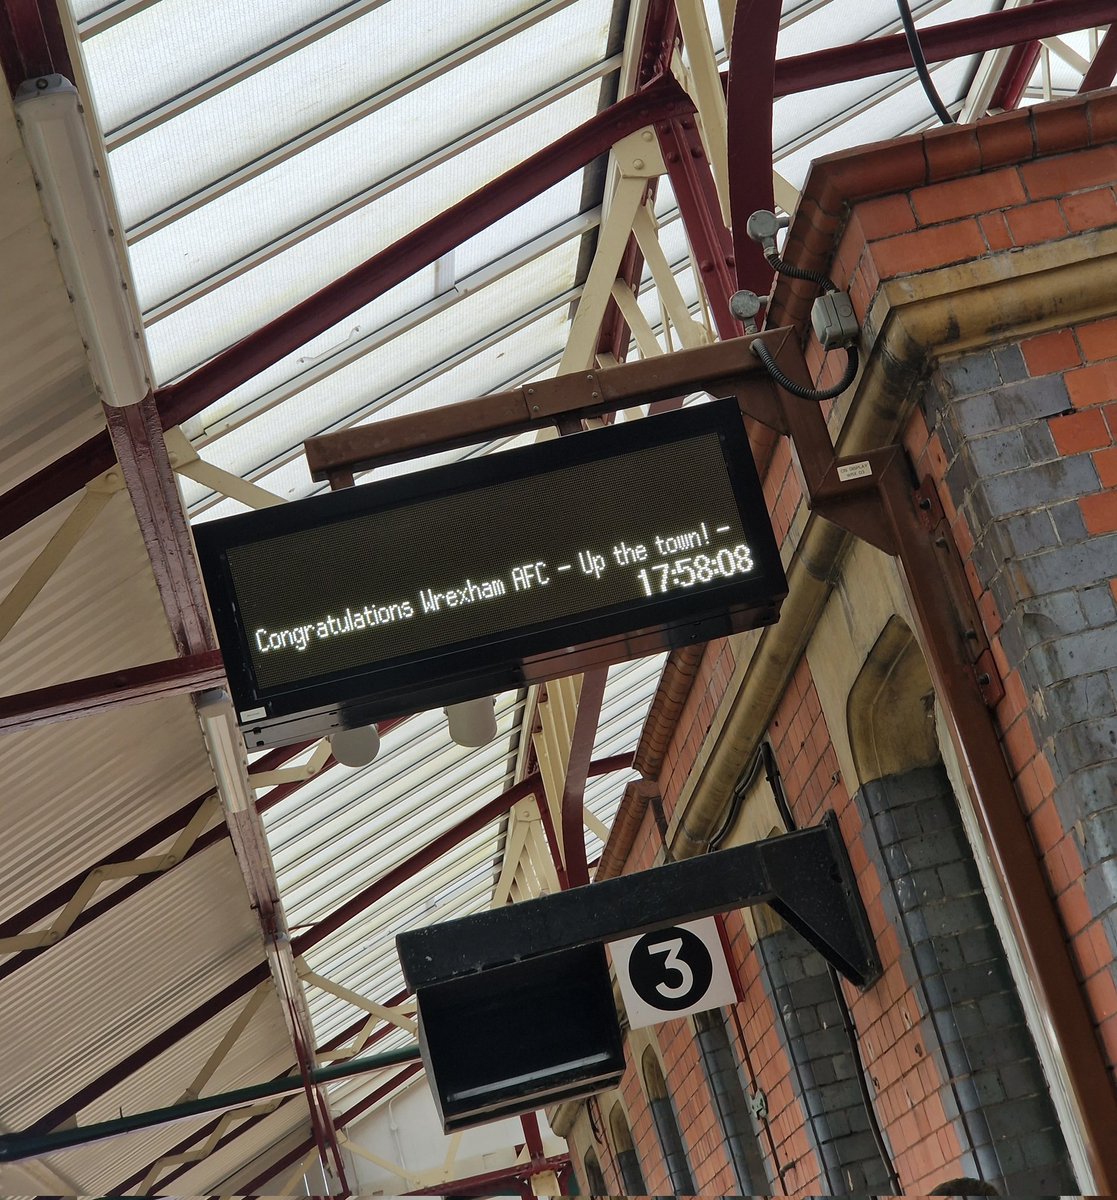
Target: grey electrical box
(833,319)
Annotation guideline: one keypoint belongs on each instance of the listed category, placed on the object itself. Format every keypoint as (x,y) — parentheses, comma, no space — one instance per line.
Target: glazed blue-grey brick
(1091,789)
(1101,886)
(1018,1117)
(976,981)
(1076,654)
(1032,400)
(1022,1079)
(1084,745)
(997,453)
(999,1009)
(1098,837)
(1069,523)
(1052,615)
(1010,363)
(990,1090)
(936,813)
(1039,442)
(1065,702)
(1098,604)
(960,878)
(1068,566)
(951,917)
(980,945)
(1025,533)
(1035,487)
(974,416)
(970,373)
(931,850)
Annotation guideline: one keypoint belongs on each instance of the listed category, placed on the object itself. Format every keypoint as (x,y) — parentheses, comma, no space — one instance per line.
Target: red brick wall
(1020,200)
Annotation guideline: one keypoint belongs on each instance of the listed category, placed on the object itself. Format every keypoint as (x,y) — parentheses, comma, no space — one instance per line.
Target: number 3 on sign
(672,972)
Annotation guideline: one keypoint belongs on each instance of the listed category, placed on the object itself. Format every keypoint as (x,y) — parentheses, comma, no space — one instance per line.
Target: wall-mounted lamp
(49,113)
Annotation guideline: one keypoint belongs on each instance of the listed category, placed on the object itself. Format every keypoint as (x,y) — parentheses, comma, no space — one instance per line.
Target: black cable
(921,63)
(797,389)
(775,781)
(772,258)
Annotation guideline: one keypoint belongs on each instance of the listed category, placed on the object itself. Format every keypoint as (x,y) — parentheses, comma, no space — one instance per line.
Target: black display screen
(516,553)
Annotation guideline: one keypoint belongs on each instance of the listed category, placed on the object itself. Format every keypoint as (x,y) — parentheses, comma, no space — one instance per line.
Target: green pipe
(15,1146)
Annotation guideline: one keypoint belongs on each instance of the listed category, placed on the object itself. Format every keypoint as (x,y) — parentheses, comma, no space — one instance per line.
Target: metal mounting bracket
(805,876)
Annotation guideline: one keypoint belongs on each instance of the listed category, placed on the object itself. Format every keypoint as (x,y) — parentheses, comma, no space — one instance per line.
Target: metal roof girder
(702,81)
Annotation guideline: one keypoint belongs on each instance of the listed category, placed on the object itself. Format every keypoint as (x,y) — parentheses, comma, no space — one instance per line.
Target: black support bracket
(805,876)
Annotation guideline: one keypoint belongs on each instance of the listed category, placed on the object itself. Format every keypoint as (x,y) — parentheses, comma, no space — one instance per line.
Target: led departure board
(445,584)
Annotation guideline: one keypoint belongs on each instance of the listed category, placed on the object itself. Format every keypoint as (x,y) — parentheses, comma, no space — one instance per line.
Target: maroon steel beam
(137,439)
(39,493)
(956,39)
(99,693)
(693,185)
(1104,67)
(32,41)
(333,303)
(756,25)
(577,771)
(550,833)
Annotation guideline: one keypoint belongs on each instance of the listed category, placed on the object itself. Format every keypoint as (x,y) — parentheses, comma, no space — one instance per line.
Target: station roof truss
(329,213)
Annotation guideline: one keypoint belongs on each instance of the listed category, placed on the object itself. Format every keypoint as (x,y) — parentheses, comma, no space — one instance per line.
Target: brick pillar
(981,262)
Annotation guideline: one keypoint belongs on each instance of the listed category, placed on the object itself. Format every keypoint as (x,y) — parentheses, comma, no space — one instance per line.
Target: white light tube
(54,133)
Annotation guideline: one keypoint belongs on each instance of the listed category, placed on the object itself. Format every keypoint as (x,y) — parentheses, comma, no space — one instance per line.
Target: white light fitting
(473,722)
(49,114)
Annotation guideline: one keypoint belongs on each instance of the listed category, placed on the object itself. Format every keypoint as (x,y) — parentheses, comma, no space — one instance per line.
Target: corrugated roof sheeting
(110,986)
(47,402)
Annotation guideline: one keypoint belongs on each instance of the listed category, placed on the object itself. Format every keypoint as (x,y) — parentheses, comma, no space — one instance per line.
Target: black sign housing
(516,567)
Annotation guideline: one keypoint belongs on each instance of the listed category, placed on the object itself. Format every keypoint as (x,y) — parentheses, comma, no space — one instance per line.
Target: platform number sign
(672,972)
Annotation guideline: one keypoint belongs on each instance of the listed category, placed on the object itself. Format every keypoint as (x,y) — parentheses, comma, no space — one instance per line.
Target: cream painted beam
(411,1178)
(186,461)
(267,779)
(232,1034)
(641,327)
(702,81)
(785,194)
(519,820)
(638,159)
(727,9)
(1068,54)
(392,1015)
(41,569)
(691,334)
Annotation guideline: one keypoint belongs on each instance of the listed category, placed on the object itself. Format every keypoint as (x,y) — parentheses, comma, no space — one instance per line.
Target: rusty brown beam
(727,367)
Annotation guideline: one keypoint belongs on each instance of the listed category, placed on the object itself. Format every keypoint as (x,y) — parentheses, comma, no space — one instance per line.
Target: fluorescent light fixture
(49,113)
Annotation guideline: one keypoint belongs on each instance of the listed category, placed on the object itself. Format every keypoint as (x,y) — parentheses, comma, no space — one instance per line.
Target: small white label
(253,714)
(857,470)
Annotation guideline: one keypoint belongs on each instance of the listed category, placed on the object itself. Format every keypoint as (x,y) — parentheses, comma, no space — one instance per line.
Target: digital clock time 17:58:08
(696,569)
